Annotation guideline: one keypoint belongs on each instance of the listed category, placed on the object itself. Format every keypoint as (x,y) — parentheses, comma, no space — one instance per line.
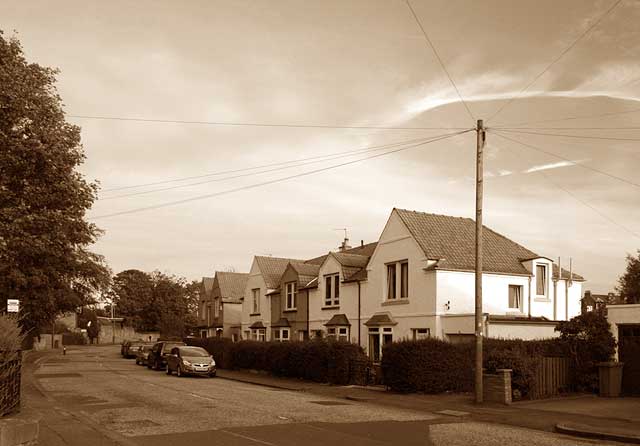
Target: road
(93,393)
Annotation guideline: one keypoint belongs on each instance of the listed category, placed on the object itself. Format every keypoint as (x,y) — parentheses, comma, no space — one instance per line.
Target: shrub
(73,338)
(588,340)
(315,360)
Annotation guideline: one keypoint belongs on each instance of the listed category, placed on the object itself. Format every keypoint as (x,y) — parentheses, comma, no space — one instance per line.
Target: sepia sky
(345,63)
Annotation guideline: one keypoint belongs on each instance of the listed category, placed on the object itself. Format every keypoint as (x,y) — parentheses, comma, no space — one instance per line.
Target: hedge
(435,366)
(316,360)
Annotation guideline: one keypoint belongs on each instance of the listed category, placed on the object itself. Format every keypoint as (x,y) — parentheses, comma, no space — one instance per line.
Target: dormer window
(541,280)
(291,295)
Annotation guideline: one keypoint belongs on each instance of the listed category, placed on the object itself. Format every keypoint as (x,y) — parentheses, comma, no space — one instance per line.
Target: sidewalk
(582,415)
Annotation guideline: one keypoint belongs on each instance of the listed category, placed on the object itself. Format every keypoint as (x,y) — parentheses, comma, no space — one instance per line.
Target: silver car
(187,360)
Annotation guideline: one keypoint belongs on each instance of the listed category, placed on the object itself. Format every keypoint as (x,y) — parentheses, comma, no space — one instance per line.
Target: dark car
(191,361)
(157,358)
(142,354)
(131,351)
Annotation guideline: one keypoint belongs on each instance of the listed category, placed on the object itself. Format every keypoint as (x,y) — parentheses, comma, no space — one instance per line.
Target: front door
(629,354)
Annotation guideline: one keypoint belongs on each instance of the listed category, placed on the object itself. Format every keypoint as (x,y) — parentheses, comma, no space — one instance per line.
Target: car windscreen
(193,352)
(168,347)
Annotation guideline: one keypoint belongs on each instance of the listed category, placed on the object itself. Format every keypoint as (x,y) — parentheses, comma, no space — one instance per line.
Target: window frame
(332,290)
(255,293)
(397,284)
(542,281)
(383,335)
(291,296)
(419,336)
(519,308)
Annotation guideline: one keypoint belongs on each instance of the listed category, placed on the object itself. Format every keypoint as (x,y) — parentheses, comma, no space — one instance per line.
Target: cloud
(551,166)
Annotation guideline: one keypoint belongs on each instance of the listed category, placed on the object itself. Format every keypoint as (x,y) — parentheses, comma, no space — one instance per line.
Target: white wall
(319,314)
(254,281)
(416,311)
(622,314)
(521,331)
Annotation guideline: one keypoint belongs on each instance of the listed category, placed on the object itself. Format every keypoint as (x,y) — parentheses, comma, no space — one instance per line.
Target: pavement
(92,396)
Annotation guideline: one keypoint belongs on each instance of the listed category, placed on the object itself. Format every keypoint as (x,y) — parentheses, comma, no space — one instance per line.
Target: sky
(349,63)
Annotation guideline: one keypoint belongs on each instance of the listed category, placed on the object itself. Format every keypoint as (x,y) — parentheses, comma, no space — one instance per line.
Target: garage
(629,354)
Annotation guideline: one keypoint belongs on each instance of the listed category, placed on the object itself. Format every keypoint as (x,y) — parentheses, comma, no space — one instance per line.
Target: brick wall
(497,387)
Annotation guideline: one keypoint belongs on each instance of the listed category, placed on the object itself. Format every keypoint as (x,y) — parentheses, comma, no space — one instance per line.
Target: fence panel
(10,386)
(552,377)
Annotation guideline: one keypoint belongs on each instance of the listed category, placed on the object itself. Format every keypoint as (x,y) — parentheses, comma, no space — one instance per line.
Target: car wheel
(212,375)
(179,372)
(148,364)
(168,370)
(137,362)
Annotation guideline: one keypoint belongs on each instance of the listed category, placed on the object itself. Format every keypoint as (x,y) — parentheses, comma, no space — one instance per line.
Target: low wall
(44,342)
(496,387)
(19,431)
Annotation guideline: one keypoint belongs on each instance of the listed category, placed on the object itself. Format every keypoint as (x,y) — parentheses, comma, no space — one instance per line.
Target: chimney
(362,243)
(345,245)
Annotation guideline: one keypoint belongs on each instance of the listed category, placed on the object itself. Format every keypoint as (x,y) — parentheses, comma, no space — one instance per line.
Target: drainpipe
(308,334)
(555,290)
(566,287)
(359,343)
(529,300)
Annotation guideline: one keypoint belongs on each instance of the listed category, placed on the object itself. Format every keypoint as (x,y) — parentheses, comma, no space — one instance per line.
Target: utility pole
(480,133)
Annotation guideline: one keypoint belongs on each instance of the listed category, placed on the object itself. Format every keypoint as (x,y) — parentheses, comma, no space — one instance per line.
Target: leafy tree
(588,340)
(629,283)
(132,294)
(44,260)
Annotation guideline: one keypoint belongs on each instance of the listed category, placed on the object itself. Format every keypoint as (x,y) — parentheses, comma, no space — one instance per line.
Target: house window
(302,335)
(378,337)
(338,333)
(317,334)
(420,333)
(258,334)
(208,312)
(589,307)
(398,280)
(515,297)
(247,334)
(281,334)
(541,280)
(216,309)
(391,281)
(292,291)
(234,337)
(404,279)
(332,290)
(256,300)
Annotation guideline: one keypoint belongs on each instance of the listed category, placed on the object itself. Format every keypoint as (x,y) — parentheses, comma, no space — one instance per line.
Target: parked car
(142,354)
(157,358)
(191,361)
(131,351)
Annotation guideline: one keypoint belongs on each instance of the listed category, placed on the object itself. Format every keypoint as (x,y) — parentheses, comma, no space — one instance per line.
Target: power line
(433,48)
(564,128)
(277,180)
(560,56)
(257,124)
(571,118)
(583,202)
(245,169)
(584,166)
(608,138)
(289,166)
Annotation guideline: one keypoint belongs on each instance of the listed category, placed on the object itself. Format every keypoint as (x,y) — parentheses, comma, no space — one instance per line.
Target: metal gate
(629,354)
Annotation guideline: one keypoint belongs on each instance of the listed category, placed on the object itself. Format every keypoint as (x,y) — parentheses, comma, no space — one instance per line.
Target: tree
(44,238)
(588,340)
(132,294)
(629,282)
(93,327)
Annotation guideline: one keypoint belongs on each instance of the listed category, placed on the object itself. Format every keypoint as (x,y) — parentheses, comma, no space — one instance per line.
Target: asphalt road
(96,392)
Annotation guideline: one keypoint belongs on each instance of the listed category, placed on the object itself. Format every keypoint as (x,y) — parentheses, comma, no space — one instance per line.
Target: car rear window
(168,347)
(193,352)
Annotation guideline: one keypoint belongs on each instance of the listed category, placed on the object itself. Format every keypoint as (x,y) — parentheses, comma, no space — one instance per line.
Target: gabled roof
(380,319)
(231,285)
(354,261)
(338,319)
(366,250)
(207,284)
(272,269)
(452,240)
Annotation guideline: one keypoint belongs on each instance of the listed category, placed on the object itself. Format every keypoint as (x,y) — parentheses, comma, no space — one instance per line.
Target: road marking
(247,437)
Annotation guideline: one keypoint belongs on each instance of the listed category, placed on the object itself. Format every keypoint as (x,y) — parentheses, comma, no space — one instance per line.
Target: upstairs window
(291,295)
(541,280)
(256,300)
(515,297)
(332,290)
(398,280)
(216,308)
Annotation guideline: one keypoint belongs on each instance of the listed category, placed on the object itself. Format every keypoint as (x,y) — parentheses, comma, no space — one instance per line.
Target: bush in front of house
(316,360)
(587,339)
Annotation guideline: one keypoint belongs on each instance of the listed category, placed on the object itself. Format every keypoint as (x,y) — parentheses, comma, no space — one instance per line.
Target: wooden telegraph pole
(479,316)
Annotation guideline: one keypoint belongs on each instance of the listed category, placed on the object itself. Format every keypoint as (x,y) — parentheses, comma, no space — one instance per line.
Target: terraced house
(416,281)
(226,297)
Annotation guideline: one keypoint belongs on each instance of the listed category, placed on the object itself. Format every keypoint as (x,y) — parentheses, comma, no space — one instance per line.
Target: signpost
(13,305)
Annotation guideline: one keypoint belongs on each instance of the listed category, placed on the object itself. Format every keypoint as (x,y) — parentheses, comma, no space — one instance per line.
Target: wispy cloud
(550,166)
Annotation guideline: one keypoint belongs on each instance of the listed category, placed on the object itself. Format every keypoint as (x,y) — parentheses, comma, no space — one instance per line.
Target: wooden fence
(552,378)
(10,385)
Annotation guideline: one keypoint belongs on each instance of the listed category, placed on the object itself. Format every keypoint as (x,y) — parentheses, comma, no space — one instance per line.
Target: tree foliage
(44,238)
(155,301)
(588,340)
(629,283)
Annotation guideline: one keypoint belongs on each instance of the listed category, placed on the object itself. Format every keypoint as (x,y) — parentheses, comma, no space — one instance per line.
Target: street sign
(13,305)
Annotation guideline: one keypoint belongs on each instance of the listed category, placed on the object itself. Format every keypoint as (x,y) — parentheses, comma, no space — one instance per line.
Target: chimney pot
(361,243)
